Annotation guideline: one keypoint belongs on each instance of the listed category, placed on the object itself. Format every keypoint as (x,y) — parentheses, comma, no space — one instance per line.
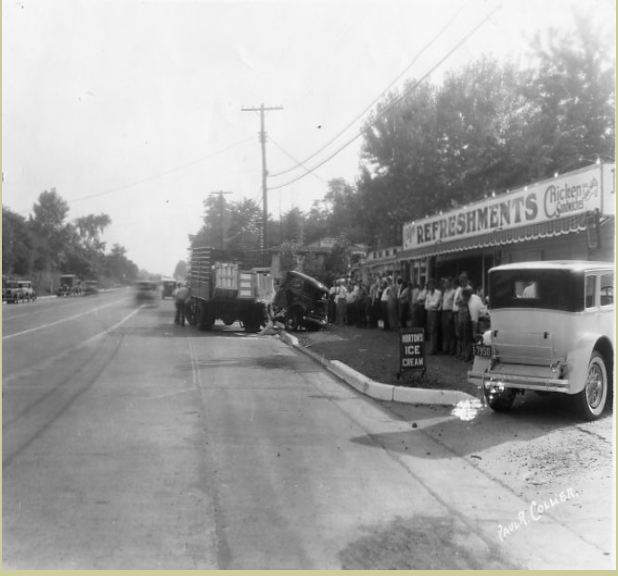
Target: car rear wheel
(592,399)
(500,399)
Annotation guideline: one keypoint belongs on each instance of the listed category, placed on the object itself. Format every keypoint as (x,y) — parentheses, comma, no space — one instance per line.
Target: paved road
(129,442)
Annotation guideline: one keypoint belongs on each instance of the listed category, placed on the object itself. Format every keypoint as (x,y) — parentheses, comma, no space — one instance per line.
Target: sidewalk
(368,359)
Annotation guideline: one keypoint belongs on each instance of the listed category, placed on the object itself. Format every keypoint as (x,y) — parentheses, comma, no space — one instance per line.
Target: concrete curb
(377,390)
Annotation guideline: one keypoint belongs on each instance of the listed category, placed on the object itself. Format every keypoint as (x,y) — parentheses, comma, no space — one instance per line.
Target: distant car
(91,287)
(146,291)
(303,302)
(19,290)
(552,330)
(168,289)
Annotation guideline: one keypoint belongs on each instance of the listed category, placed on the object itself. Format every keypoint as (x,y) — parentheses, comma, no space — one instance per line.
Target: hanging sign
(566,195)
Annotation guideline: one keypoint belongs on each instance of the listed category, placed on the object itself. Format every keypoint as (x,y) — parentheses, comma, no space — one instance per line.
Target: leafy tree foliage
(574,87)
(47,245)
(17,244)
(181,270)
(229,225)
(289,257)
(489,126)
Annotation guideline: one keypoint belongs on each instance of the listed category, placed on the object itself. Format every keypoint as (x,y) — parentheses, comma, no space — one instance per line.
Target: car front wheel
(294,319)
(592,399)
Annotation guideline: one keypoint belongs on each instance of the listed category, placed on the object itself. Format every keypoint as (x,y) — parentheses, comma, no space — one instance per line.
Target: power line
(390,106)
(295,160)
(153,177)
(377,98)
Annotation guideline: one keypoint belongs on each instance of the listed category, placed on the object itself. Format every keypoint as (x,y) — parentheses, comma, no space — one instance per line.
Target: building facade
(568,217)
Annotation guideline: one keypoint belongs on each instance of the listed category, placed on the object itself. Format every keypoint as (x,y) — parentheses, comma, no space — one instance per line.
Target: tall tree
(50,230)
(118,267)
(293,226)
(574,86)
(229,225)
(17,244)
(181,270)
(244,228)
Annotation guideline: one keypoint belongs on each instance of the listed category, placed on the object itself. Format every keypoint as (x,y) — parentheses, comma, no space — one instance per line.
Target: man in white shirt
(433,302)
(462,320)
(449,343)
(181,296)
(342,293)
(476,306)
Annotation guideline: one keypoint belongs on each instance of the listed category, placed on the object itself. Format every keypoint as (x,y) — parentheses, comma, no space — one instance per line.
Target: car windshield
(542,289)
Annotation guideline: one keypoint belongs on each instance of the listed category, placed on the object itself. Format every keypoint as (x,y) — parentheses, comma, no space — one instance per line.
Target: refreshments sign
(563,196)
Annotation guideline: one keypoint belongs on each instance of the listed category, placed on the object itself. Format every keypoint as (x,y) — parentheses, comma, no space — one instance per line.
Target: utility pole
(261,110)
(220,193)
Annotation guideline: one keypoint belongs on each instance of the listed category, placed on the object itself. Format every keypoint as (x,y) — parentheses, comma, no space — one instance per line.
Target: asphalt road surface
(131,443)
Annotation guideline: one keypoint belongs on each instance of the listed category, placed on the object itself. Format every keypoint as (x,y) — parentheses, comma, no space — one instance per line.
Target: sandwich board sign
(412,350)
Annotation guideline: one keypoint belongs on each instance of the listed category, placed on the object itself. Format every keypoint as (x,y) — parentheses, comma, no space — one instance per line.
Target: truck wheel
(592,399)
(190,313)
(206,317)
(499,399)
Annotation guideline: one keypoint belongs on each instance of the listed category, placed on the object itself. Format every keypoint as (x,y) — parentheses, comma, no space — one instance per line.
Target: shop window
(607,289)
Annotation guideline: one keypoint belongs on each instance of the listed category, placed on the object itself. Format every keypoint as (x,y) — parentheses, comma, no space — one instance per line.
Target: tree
(50,231)
(181,270)
(400,162)
(244,228)
(233,226)
(85,253)
(118,268)
(574,87)
(17,244)
(289,258)
(293,226)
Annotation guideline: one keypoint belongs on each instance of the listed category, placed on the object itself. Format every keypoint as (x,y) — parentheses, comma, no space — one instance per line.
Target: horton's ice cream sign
(559,197)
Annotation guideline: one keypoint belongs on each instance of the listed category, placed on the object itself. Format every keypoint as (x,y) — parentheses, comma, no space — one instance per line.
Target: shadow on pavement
(531,418)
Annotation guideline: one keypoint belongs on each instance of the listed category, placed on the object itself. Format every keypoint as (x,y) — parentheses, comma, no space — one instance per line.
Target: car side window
(591,283)
(607,289)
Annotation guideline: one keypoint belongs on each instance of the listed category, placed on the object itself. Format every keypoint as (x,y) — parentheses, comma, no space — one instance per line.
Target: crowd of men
(451,311)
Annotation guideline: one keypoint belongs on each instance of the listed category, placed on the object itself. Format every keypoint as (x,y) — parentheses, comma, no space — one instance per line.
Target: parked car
(302,302)
(70,285)
(146,291)
(552,330)
(19,290)
(91,287)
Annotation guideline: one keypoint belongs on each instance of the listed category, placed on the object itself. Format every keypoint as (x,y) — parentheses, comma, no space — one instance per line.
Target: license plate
(481,350)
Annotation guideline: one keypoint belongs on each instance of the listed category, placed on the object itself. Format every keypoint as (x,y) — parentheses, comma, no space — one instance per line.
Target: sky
(134,108)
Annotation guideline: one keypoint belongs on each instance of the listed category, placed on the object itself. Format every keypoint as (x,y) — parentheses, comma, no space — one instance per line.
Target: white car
(552,330)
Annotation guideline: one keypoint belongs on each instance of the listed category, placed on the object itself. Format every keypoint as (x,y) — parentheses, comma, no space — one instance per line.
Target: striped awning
(547,229)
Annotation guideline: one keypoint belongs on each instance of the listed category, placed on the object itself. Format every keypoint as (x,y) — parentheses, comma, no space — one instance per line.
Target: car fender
(577,362)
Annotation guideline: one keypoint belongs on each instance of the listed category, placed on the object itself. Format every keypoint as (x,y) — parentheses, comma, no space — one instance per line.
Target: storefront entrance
(476,265)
